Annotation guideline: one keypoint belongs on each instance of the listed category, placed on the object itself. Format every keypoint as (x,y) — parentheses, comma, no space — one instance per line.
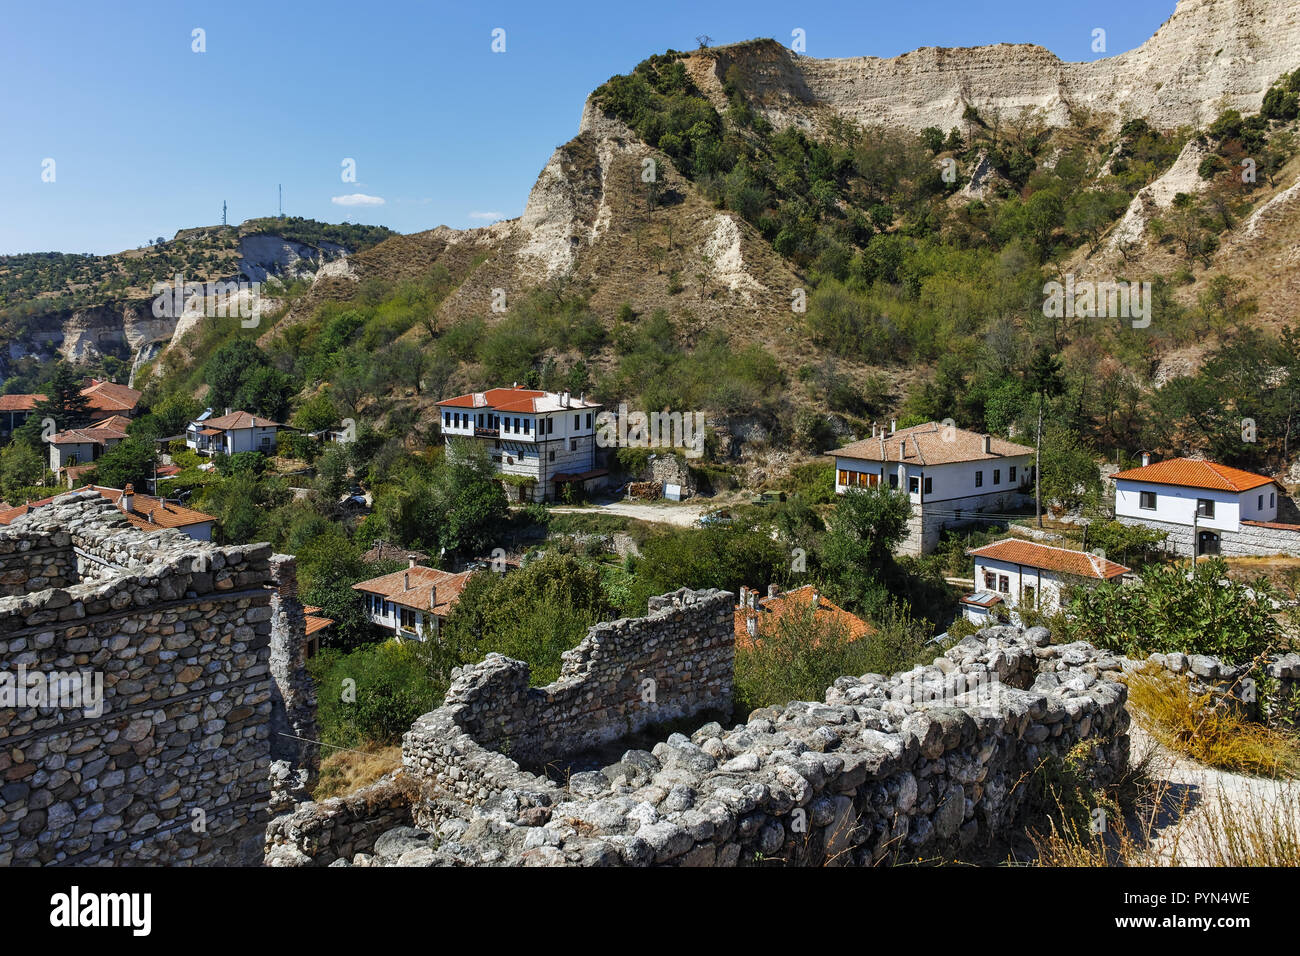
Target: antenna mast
(280,192)
(223,212)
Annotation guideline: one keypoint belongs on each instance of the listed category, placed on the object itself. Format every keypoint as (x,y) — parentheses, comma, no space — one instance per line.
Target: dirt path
(661,512)
(1212,817)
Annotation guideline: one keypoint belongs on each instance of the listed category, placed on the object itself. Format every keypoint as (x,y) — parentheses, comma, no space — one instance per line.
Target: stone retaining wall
(1250,540)
(173,767)
(35,562)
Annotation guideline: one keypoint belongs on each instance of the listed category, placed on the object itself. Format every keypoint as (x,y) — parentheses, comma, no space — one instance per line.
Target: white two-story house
(1205,507)
(232,433)
(1012,574)
(412,603)
(547,437)
(950,475)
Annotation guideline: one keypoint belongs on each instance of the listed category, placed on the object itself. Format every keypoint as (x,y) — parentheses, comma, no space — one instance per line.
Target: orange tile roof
(516,399)
(110,397)
(315,623)
(91,436)
(240,419)
(115,422)
(1033,555)
(1195,473)
(930,444)
(770,610)
(19,402)
(445,585)
(148,512)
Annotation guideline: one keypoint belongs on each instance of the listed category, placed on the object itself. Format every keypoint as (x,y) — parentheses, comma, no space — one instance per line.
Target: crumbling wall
(316,834)
(937,761)
(624,676)
(1267,693)
(173,764)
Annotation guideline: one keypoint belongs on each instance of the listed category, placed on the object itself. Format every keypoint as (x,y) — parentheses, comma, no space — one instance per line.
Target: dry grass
(345,771)
(1257,829)
(1212,733)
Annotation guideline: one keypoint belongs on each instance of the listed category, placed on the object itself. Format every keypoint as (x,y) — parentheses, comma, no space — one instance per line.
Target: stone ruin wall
(937,760)
(184,635)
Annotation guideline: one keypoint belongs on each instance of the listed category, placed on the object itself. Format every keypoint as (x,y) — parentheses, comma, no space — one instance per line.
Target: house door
(1207,543)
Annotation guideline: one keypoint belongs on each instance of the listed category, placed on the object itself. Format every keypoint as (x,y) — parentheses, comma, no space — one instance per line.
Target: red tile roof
(770,610)
(516,399)
(90,436)
(315,623)
(445,585)
(1195,473)
(930,444)
(10,513)
(19,402)
(1032,555)
(240,420)
(148,512)
(110,397)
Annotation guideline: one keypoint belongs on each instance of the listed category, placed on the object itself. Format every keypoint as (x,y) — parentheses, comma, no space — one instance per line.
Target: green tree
(63,399)
(861,533)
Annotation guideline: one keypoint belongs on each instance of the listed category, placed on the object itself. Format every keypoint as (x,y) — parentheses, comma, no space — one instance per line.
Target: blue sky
(148,136)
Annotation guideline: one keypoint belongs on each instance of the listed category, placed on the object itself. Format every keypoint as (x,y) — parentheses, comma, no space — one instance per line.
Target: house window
(844,477)
(573,444)
(1260,504)
(552,458)
(550,426)
(1004,584)
(408,618)
(893,480)
(1011,473)
(990,581)
(1030,596)
(588,419)
(577,422)
(1204,508)
(997,476)
(913,485)
(446,419)
(1272,499)
(1147,500)
(979,479)
(528,426)
(929,485)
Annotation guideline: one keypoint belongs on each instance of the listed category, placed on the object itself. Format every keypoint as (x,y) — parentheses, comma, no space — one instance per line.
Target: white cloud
(357,199)
(488,216)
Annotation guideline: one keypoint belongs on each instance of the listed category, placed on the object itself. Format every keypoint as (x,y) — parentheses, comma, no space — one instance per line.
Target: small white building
(1011,574)
(950,475)
(1204,507)
(412,603)
(547,437)
(232,433)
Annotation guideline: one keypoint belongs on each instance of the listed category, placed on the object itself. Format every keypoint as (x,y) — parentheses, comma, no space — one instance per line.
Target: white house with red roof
(950,475)
(413,602)
(549,437)
(232,433)
(1213,508)
(80,446)
(1012,574)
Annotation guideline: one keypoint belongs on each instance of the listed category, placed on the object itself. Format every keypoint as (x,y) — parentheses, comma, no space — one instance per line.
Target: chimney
(744,596)
(902,449)
(1146,459)
(412,560)
(893,425)
(873,429)
(227,409)
(433,597)
(751,625)
(988,444)
(773,590)
(816,600)
(406,580)
(128,497)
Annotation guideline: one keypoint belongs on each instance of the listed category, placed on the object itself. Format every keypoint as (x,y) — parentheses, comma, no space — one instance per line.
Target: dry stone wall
(937,760)
(169,763)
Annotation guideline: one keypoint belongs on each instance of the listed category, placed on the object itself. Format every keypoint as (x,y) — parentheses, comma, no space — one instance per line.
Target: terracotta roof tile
(19,403)
(240,419)
(1195,473)
(930,444)
(770,610)
(445,585)
(1033,555)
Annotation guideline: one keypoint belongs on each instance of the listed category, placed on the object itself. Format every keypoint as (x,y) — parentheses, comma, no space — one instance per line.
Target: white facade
(403,622)
(932,484)
(1016,584)
(1208,509)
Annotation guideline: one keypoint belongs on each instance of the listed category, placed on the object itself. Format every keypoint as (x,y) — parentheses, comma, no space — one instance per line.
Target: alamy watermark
(69,690)
(233,298)
(1109,299)
(665,429)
